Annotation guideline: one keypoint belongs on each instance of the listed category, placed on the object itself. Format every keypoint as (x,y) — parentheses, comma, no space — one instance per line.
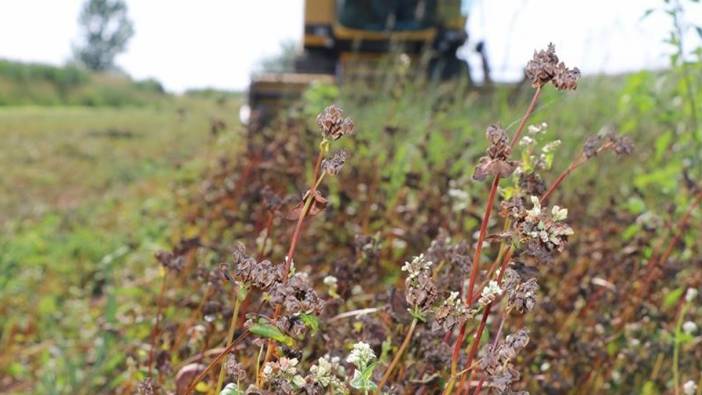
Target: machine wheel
(449,67)
(316,62)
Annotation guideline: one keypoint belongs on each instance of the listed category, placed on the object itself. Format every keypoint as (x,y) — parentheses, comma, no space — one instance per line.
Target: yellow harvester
(343,37)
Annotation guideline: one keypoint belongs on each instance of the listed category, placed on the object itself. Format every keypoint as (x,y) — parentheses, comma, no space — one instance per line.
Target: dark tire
(445,68)
(316,62)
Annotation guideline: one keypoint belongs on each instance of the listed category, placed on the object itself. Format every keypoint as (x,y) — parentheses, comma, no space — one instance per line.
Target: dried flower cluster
(170,261)
(621,145)
(496,362)
(497,162)
(262,275)
(296,295)
(234,369)
(521,295)
(541,232)
(450,313)
(545,67)
(333,124)
(420,291)
(329,374)
(334,163)
(283,375)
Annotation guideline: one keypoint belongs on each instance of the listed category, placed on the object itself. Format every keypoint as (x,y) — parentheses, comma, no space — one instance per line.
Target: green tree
(105,30)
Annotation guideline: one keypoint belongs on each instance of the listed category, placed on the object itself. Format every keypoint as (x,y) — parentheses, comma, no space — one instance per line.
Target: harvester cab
(346,40)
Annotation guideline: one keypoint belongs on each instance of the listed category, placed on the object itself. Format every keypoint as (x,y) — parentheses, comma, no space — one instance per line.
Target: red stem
(157,324)
(293,245)
(476,340)
(524,119)
(481,238)
(300,220)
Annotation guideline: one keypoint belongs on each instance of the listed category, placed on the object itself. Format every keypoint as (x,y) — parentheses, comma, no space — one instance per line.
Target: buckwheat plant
(533,233)
(294,302)
(363,358)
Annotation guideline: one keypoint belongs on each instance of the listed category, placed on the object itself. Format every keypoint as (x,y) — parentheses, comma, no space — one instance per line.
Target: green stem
(676,349)
(398,355)
(239,296)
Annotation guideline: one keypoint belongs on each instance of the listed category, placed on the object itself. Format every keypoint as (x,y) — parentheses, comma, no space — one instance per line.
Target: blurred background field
(86,198)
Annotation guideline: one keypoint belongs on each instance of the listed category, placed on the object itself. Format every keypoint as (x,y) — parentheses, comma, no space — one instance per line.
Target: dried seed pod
(497,162)
(334,163)
(333,123)
(545,67)
(170,261)
(261,275)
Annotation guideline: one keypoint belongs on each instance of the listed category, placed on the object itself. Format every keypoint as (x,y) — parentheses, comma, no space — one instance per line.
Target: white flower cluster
(285,369)
(361,355)
(689,327)
(552,233)
(416,266)
(550,147)
(536,129)
(689,388)
(535,212)
(490,293)
(327,372)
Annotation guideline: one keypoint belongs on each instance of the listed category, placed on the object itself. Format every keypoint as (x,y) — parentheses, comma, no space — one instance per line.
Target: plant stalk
(157,324)
(398,355)
(481,238)
(239,295)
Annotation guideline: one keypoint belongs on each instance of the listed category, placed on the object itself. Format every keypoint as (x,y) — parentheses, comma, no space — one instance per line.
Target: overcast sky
(218,43)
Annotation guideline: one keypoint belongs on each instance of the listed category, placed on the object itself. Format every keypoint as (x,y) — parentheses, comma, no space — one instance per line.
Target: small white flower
(298,381)
(326,370)
(550,147)
(268,369)
(416,266)
(689,327)
(490,292)
(452,298)
(536,129)
(526,140)
(559,214)
(616,376)
(361,355)
(535,211)
(691,294)
(357,290)
(330,281)
(689,388)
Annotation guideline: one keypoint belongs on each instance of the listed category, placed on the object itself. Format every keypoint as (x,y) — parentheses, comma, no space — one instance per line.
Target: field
(163,248)
(87,196)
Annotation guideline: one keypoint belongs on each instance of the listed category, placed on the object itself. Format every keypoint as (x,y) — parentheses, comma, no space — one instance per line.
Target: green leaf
(362,380)
(310,321)
(231,389)
(672,298)
(630,232)
(271,332)
(662,144)
(649,388)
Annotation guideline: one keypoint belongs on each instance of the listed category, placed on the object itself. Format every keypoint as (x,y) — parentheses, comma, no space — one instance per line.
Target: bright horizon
(219,43)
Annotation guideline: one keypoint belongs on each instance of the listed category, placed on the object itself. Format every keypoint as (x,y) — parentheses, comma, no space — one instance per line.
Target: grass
(86,197)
